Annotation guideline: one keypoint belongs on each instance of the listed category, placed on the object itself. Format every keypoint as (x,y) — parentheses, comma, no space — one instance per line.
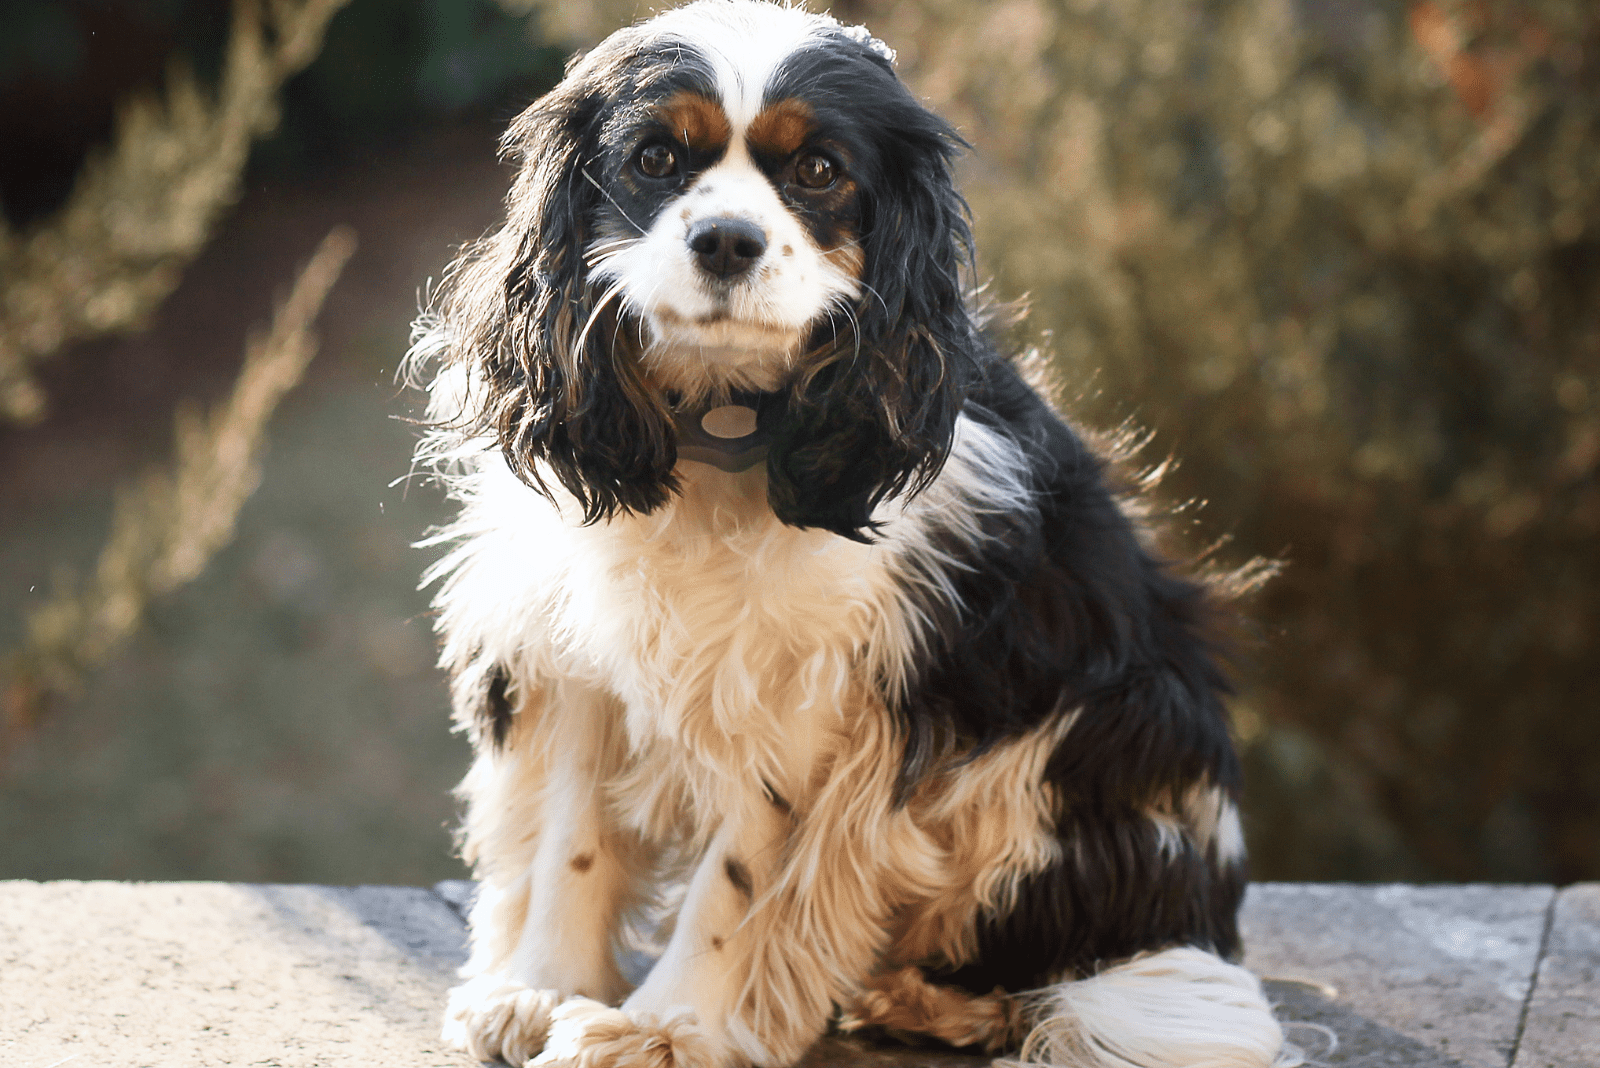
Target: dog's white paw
(492,1018)
(587,1034)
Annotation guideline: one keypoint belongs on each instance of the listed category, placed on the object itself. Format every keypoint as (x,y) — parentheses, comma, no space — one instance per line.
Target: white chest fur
(726,636)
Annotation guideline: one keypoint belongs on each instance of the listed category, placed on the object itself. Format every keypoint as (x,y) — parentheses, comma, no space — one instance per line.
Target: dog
(788,619)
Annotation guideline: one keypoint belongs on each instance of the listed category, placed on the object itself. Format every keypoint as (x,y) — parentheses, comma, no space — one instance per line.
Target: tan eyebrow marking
(701,122)
(782,128)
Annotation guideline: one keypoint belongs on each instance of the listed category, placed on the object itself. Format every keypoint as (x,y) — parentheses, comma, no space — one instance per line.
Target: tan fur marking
(582,862)
(781,128)
(992,820)
(846,259)
(700,122)
(904,1000)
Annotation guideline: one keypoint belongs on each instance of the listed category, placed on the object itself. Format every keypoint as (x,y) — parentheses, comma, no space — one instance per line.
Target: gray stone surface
(178,975)
(1426,976)
(457,893)
(1563,1020)
(174,975)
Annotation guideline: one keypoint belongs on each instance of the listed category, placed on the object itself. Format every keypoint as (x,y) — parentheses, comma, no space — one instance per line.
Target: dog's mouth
(720,313)
(671,317)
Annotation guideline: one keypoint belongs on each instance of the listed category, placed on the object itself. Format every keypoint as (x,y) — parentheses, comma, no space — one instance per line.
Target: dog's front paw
(587,1034)
(492,1018)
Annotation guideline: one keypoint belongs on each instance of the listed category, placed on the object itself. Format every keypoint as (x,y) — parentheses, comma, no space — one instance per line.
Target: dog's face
(732,224)
(733,195)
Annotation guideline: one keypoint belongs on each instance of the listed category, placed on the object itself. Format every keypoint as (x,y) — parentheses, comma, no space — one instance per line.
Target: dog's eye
(815,171)
(656,161)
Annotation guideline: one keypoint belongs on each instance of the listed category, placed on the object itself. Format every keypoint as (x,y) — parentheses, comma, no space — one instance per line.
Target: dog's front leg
(680,1016)
(554,872)
(785,915)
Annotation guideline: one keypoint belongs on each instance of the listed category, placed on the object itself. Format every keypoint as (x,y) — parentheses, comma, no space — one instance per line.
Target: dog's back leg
(1141,907)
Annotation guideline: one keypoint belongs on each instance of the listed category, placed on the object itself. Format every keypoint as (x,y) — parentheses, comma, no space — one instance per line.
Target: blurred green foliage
(387,69)
(390,66)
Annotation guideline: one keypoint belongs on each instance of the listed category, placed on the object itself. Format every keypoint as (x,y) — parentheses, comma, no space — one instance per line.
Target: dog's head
(731,196)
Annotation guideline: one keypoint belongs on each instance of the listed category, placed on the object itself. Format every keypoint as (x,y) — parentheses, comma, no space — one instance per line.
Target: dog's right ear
(553,379)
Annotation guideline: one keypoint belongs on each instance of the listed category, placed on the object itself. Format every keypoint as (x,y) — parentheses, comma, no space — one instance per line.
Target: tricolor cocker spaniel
(780,606)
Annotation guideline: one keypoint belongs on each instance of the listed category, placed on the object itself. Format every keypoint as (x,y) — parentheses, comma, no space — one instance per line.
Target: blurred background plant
(241,687)
(1342,257)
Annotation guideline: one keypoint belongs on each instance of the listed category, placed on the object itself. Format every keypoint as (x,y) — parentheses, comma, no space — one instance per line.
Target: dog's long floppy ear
(556,379)
(878,416)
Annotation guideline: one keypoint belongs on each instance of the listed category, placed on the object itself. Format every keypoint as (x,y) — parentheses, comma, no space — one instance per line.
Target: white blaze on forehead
(745,41)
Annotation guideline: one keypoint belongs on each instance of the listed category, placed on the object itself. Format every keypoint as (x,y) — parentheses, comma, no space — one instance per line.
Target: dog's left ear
(557,382)
(877,417)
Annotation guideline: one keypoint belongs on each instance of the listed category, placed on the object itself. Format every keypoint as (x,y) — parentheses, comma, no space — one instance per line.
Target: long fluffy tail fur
(1179,1008)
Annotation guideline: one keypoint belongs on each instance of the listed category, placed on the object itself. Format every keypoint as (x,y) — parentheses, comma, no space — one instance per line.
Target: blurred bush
(142,207)
(132,127)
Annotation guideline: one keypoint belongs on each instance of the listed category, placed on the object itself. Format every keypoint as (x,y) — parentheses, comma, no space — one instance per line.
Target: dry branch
(169,523)
(142,210)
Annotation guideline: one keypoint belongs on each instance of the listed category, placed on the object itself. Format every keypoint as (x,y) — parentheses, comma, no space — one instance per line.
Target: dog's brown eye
(814,171)
(656,161)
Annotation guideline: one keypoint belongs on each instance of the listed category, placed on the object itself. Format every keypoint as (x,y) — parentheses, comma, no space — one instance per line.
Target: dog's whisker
(607,194)
(614,290)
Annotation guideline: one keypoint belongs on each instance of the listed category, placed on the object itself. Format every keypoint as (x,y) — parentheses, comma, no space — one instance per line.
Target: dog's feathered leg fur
(787,909)
(555,870)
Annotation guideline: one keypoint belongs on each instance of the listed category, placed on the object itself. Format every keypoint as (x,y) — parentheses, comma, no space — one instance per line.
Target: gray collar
(731,433)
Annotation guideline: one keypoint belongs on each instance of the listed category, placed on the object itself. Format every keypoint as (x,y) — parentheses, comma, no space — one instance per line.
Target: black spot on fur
(495,711)
(777,800)
(739,876)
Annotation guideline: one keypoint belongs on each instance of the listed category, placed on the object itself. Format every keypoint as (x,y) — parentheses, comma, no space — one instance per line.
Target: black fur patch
(494,711)
(879,418)
(1061,608)
(1112,895)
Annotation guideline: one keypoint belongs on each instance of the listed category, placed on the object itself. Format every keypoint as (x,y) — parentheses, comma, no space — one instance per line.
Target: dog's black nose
(726,247)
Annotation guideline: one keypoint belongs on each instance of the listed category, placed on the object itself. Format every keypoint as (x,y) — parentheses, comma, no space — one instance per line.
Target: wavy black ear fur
(557,376)
(877,417)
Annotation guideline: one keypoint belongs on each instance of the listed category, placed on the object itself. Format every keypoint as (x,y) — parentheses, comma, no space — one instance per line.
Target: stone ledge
(173,975)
